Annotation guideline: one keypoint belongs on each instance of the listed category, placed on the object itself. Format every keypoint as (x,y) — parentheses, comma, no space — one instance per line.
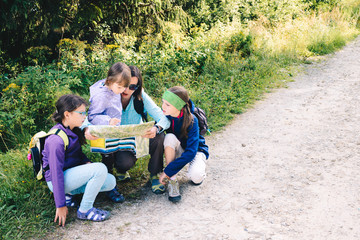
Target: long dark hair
(135,72)
(118,73)
(188,118)
(69,103)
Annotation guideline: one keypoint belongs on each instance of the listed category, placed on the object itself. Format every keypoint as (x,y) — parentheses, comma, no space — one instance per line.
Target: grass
(27,206)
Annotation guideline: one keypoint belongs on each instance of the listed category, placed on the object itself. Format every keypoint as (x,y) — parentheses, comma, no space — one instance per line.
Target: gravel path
(288,168)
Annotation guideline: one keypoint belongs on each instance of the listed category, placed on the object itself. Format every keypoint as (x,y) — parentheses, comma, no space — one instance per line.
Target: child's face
(76,117)
(169,109)
(116,88)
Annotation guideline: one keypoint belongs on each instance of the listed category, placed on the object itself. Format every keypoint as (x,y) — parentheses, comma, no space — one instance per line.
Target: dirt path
(286,169)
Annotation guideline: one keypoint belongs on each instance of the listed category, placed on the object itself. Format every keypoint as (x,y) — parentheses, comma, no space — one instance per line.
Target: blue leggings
(89,179)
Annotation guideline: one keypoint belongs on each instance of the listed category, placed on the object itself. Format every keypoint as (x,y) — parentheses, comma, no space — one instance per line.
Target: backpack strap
(61,134)
(42,136)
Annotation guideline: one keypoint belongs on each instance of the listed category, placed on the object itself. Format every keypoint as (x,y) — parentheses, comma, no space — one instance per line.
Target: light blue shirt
(130,116)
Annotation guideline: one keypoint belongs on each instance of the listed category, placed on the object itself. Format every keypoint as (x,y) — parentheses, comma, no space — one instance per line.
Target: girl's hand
(151,133)
(162,178)
(114,121)
(88,136)
(61,213)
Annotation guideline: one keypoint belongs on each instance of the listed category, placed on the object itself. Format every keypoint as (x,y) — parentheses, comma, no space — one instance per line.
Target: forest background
(225,52)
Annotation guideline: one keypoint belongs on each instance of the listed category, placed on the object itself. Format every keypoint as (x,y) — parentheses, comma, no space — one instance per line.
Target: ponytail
(188,120)
(69,103)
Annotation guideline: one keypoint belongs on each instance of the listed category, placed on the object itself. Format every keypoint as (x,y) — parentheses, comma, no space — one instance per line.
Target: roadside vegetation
(227,53)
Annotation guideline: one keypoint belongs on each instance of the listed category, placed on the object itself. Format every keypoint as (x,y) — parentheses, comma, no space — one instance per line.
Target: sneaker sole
(196,184)
(175,199)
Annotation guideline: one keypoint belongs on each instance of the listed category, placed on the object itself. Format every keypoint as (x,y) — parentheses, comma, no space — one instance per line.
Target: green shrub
(38,55)
(240,43)
(26,104)
(72,52)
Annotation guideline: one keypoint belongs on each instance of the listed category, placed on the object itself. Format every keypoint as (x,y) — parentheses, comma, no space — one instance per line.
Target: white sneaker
(174,192)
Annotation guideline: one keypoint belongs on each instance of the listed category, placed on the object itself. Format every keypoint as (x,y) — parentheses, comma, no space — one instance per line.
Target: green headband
(174,100)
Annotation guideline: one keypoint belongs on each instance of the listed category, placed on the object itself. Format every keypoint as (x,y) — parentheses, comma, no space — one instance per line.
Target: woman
(135,102)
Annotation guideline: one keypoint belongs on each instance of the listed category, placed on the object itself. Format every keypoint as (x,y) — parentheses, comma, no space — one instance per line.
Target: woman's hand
(162,178)
(114,121)
(61,214)
(151,133)
(88,136)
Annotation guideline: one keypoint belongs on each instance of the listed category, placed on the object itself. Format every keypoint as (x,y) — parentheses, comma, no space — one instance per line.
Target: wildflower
(11,85)
(112,46)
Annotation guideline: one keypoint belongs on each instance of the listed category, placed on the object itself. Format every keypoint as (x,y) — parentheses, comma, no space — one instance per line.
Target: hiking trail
(287,168)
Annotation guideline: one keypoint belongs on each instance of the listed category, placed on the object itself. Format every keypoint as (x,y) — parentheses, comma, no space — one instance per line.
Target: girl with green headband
(183,143)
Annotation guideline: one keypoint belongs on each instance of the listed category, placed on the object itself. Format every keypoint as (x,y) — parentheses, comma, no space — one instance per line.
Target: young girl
(105,96)
(183,144)
(106,107)
(70,171)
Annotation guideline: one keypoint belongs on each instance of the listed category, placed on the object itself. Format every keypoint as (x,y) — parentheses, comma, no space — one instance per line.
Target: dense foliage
(31,29)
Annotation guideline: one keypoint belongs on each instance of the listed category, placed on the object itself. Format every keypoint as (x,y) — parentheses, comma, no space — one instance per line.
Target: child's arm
(97,112)
(54,149)
(114,121)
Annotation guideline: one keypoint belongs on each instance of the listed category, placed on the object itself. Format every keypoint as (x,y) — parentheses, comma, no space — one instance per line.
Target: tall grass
(309,35)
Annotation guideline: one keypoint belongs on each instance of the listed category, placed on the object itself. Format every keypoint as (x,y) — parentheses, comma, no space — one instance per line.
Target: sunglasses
(133,87)
(82,113)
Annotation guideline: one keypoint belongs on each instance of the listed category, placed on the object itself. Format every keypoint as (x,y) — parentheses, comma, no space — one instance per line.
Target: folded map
(122,131)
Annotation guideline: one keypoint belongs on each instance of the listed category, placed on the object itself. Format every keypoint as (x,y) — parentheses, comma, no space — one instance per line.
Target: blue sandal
(70,201)
(115,196)
(93,214)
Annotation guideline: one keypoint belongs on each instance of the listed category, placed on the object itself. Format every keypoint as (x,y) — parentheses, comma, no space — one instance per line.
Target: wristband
(158,129)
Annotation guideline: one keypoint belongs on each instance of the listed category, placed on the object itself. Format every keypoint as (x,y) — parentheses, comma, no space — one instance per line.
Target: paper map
(122,131)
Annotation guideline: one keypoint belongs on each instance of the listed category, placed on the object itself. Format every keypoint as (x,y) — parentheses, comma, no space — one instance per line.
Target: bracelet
(158,129)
